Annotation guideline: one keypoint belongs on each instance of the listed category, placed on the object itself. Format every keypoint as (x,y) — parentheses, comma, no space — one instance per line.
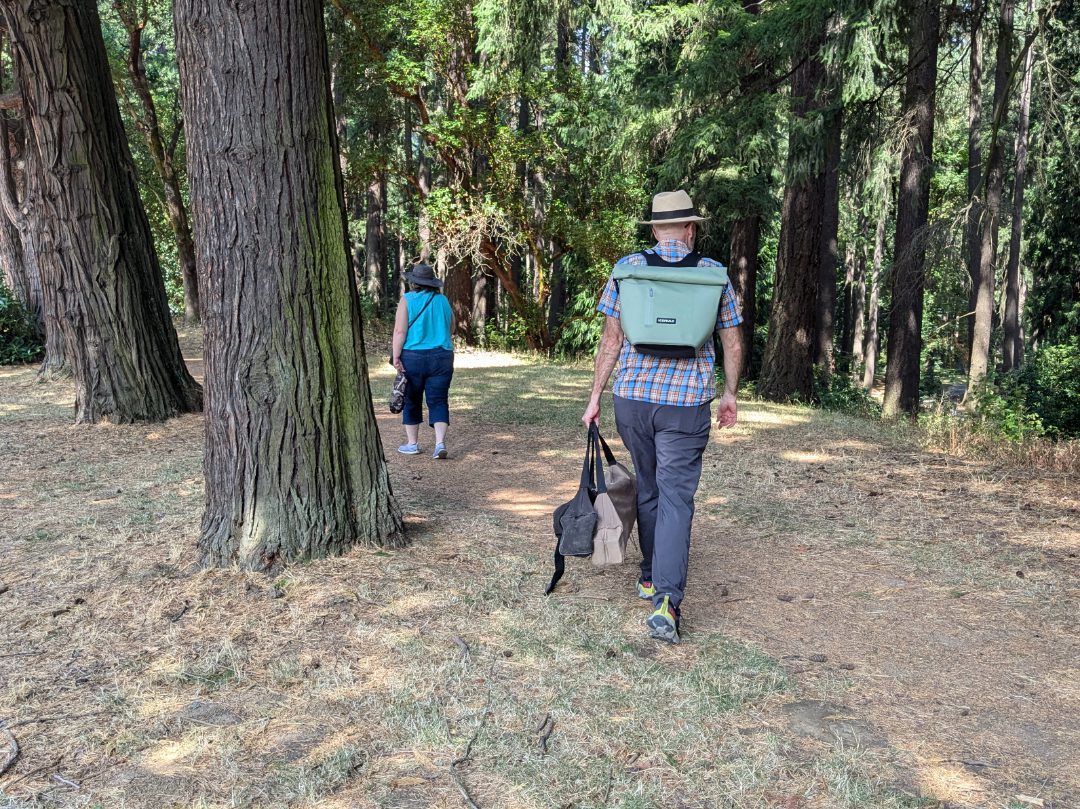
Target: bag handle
(588,464)
(427,303)
(607,450)
(594,444)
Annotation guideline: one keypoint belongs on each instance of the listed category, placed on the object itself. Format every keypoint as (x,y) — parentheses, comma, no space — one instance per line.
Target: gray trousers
(666,443)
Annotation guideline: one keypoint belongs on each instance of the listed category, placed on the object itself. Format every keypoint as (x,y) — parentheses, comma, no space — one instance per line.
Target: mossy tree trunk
(107,283)
(293,465)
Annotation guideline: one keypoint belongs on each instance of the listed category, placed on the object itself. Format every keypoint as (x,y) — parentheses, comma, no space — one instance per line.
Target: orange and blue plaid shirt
(684,382)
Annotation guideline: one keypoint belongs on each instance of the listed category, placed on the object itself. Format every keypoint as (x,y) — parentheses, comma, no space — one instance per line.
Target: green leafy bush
(19,341)
(1052,379)
(1001,408)
(839,394)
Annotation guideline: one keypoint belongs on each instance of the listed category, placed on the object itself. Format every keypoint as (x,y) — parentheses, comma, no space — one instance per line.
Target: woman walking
(424,352)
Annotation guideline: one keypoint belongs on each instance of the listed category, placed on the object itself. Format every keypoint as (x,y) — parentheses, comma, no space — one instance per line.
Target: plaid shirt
(683,382)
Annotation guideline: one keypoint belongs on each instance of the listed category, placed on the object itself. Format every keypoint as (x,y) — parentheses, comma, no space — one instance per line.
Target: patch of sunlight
(167,758)
(806,457)
(524,502)
(851,443)
(717,500)
(11,408)
(949,783)
(407,605)
(161,706)
(486,359)
(768,417)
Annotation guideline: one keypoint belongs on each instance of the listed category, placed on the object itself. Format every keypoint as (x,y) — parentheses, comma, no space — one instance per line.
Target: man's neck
(673,244)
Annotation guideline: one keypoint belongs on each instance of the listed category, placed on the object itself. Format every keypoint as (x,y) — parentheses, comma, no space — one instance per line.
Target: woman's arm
(401,328)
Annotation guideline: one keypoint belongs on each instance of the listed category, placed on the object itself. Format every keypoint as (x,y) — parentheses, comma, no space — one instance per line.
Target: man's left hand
(728,412)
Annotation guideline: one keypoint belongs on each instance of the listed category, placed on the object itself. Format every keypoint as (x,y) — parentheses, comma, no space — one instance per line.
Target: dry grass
(398,679)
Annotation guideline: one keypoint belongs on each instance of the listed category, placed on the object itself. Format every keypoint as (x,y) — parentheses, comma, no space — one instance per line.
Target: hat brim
(679,221)
(423,282)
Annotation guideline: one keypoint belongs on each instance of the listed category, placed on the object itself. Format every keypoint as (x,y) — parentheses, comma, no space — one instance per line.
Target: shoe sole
(440,455)
(666,634)
(403,452)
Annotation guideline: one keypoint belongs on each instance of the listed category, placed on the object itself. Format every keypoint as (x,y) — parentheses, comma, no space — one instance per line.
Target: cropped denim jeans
(429,372)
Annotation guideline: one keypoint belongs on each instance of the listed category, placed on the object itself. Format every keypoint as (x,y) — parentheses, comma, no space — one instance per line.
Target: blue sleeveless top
(431,327)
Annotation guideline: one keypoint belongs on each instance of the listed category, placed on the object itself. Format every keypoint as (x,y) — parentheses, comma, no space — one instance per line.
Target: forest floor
(867,624)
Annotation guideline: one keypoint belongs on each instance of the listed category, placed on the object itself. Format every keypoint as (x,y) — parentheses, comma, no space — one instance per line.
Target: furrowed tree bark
(745,247)
(1014,340)
(118,336)
(912,213)
(373,242)
(150,126)
(991,219)
(788,368)
(973,229)
(830,224)
(294,467)
(858,304)
(870,350)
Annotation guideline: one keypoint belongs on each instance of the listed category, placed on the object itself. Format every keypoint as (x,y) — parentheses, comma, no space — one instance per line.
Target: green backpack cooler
(669,309)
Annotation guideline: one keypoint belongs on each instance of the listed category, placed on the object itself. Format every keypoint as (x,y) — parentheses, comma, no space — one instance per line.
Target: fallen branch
(463,646)
(13,750)
(61,780)
(36,720)
(545,730)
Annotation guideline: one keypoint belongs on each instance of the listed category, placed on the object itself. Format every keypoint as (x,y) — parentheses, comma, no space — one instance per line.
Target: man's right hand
(592,413)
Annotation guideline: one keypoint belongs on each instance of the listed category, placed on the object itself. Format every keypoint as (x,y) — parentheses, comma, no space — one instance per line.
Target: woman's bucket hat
(423,275)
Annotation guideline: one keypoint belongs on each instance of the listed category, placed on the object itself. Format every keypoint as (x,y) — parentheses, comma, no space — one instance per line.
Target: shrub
(19,341)
(839,394)
(1052,378)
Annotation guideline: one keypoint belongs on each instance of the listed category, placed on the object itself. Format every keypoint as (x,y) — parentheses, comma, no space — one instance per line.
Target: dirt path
(934,599)
(922,607)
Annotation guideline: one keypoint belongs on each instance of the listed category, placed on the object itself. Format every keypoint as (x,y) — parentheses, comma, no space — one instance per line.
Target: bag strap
(654,259)
(427,303)
(560,568)
(607,450)
(594,442)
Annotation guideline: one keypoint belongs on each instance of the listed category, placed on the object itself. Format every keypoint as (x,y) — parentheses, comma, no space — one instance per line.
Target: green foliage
(1001,409)
(19,340)
(837,393)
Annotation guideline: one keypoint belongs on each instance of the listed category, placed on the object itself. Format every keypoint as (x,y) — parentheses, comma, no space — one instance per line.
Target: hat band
(679,214)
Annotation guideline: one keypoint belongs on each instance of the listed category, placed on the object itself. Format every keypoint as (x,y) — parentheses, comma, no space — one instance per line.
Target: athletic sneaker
(409,449)
(645,590)
(440,452)
(663,624)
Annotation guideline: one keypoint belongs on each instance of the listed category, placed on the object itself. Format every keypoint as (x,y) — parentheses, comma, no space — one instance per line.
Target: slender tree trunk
(17,263)
(847,328)
(830,224)
(373,243)
(148,123)
(459,292)
(789,353)
(870,351)
(973,229)
(1014,342)
(912,213)
(293,463)
(858,303)
(745,247)
(991,220)
(119,338)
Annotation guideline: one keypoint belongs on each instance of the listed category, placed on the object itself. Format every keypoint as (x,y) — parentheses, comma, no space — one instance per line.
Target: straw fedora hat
(673,208)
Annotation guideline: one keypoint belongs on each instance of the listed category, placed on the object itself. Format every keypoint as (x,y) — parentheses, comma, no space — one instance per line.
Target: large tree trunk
(912,213)
(119,339)
(293,463)
(175,208)
(870,352)
(830,224)
(788,369)
(745,247)
(1014,341)
(991,220)
(973,228)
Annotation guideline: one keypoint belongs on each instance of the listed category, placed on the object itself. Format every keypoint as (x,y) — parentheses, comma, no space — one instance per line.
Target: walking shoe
(440,452)
(645,590)
(663,624)
(409,449)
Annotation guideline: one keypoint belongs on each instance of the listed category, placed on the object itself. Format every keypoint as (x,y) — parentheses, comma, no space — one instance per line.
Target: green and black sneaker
(663,624)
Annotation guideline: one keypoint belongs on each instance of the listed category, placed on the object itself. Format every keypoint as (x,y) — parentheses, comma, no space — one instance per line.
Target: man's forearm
(607,356)
(732,342)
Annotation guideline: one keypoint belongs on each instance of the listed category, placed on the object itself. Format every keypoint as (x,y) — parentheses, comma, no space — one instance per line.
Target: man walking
(662,413)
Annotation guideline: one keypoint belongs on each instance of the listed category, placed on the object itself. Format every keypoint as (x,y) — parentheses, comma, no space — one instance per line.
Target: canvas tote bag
(615,505)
